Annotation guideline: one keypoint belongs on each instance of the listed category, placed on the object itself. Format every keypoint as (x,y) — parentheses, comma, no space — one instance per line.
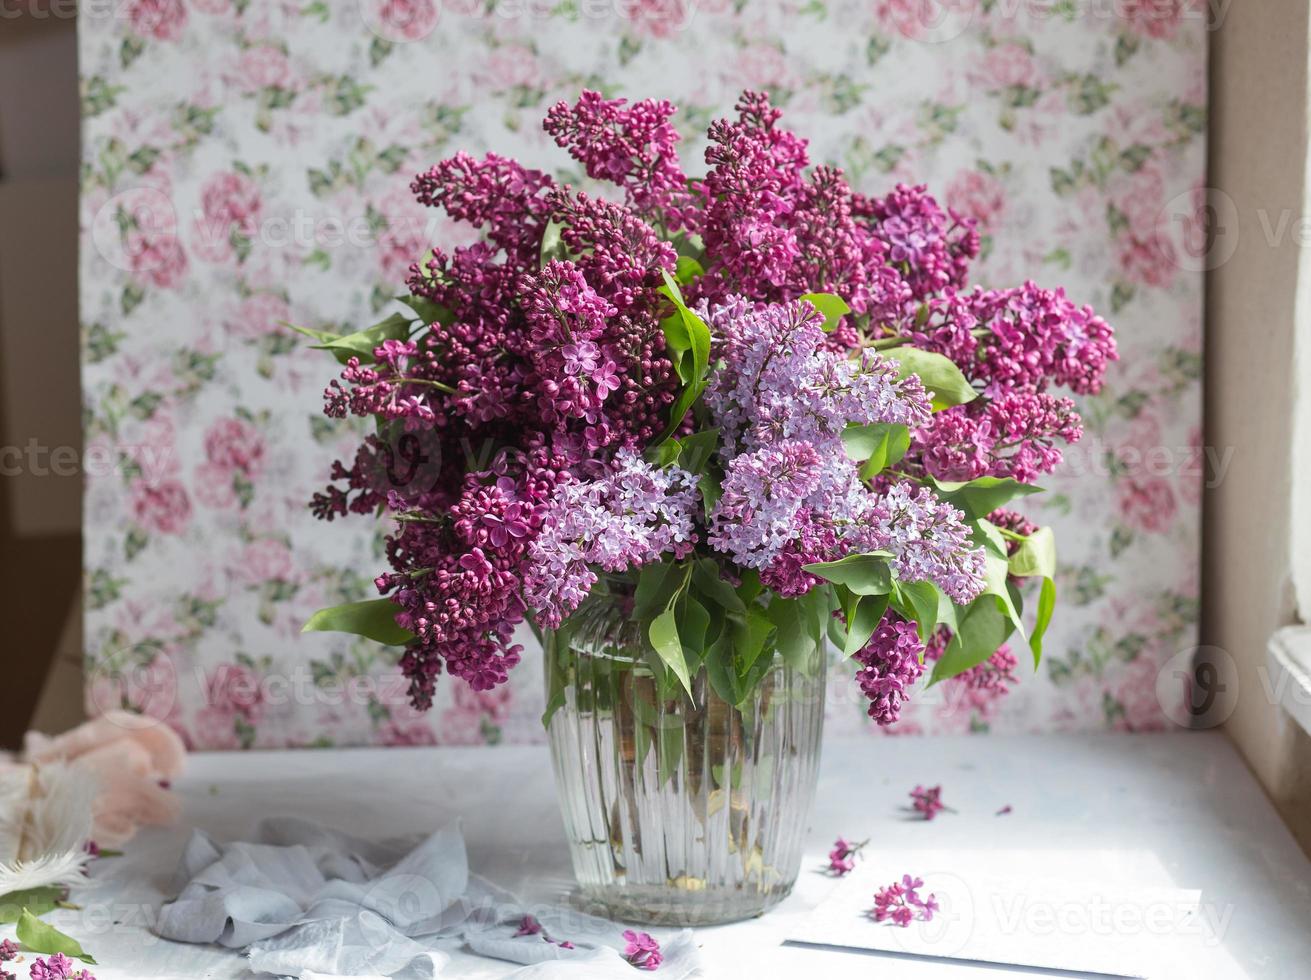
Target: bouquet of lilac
(760,408)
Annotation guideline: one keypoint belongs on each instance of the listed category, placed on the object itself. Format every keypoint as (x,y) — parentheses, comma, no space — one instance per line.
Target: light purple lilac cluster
(511,421)
(791,495)
(629,515)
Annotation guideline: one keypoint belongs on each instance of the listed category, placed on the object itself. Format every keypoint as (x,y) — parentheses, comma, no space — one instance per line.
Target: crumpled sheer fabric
(309,902)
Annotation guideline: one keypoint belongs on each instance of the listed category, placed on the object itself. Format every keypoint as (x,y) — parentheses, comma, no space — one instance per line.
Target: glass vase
(679,810)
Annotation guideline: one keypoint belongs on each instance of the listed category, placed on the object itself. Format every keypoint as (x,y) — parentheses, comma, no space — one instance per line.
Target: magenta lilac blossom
(642,950)
(529,926)
(58,967)
(927,801)
(899,903)
(890,666)
(842,858)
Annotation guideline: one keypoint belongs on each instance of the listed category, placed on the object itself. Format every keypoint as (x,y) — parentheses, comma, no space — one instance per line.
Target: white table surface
(1165,810)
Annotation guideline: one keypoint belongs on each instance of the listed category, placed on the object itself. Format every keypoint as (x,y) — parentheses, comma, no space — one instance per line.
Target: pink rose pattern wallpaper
(246,164)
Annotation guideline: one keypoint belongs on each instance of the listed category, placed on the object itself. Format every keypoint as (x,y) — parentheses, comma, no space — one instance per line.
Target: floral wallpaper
(246,164)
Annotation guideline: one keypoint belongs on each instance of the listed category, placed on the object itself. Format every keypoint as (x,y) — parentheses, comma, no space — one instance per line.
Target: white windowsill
(1289,657)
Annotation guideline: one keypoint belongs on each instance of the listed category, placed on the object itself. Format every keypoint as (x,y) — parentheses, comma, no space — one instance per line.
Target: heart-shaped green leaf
(41,937)
(373,618)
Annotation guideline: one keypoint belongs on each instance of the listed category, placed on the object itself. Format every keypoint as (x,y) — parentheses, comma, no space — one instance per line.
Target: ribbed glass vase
(679,811)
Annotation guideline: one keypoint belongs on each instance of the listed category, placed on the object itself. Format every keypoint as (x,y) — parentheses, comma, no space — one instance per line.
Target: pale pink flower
(235,689)
(762,66)
(235,445)
(977,195)
(231,199)
(263,66)
(1147,503)
(260,314)
(1156,18)
(1152,262)
(1008,65)
(213,486)
(156,258)
(215,729)
(267,560)
(162,507)
(403,20)
(163,20)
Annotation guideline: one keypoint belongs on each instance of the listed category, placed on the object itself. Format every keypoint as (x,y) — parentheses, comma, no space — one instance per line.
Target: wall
(1259,170)
(246,164)
(40,400)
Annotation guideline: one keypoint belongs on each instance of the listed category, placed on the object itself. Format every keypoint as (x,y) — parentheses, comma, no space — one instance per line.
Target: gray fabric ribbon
(309,902)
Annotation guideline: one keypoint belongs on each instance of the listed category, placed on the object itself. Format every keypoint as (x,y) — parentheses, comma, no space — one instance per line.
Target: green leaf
(655,587)
(360,344)
(1036,555)
(696,450)
(1046,606)
(687,339)
(866,574)
(373,618)
(878,445)
(831,306)
(979,498)
(940,375)
(322,336)
(689,244)
(38,901)
(693,629)
(795,642)
(719,670)
(705,576)
(554,703)
(698,334)
(983,628)
(553,246)
(863,617)
(750,634)
(669,741)
(682,405)
(40,937)
(664,453)
(711,491)
(921,602)
(997,583)
(664,638)
(687,269)
(986,534)
(426,309)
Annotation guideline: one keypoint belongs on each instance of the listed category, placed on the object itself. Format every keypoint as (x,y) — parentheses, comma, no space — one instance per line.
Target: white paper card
(1021,918)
